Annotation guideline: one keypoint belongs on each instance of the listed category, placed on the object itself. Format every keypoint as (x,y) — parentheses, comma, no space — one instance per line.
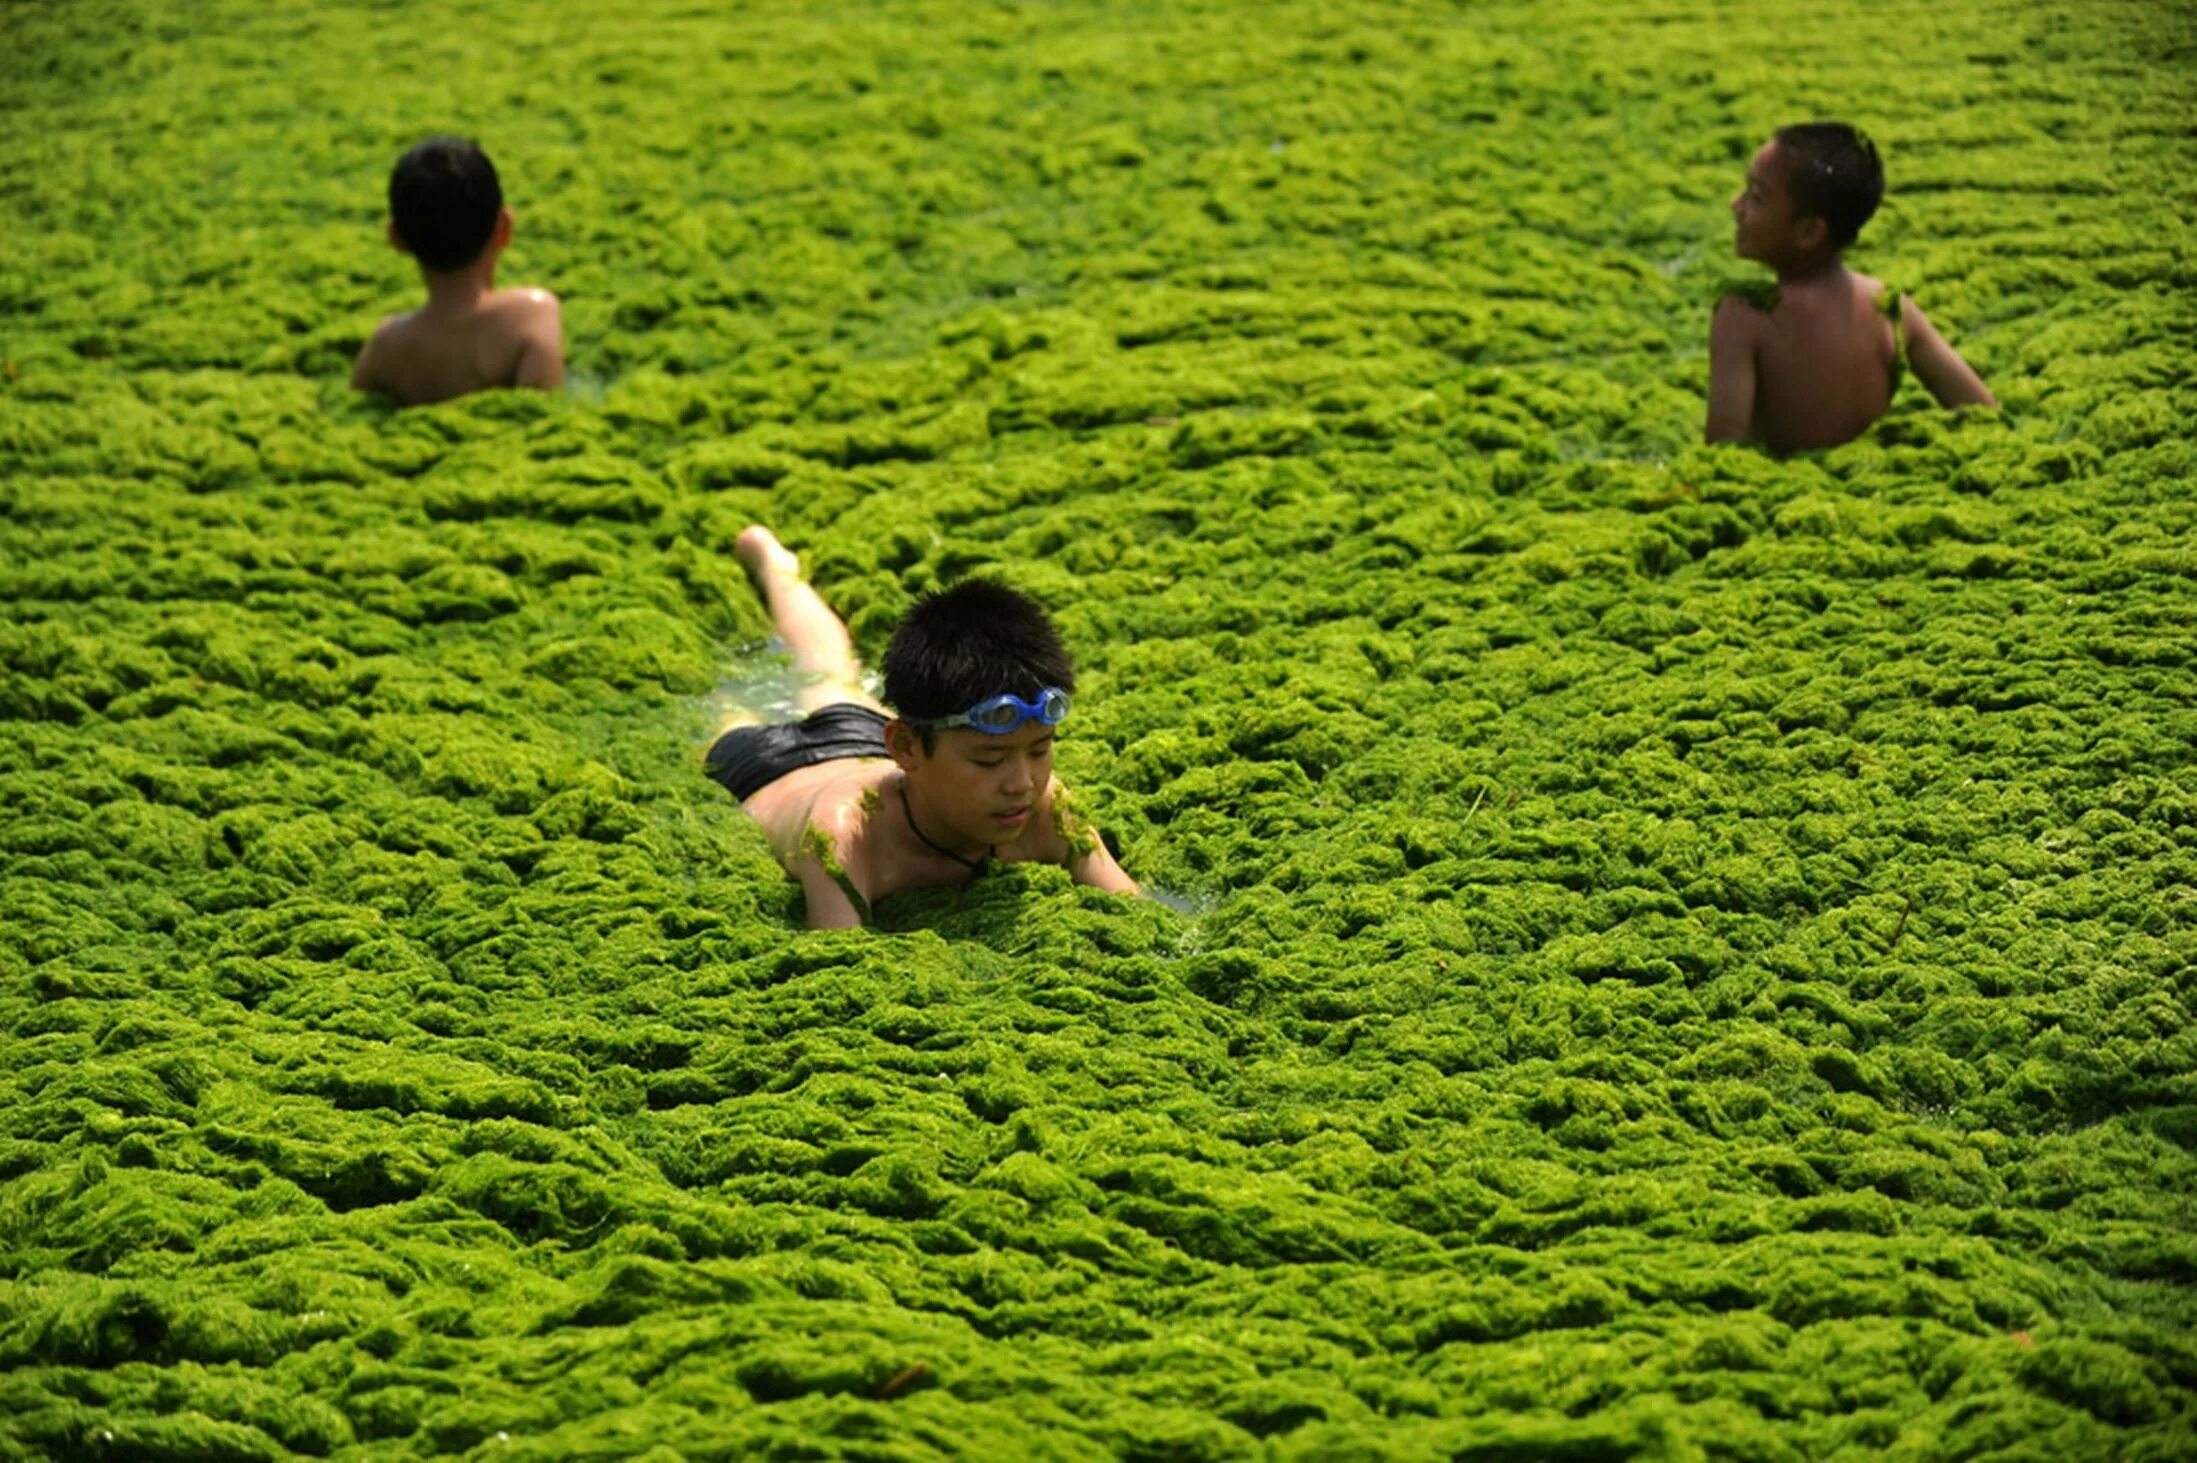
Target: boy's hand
(1950,379)
(1732,371)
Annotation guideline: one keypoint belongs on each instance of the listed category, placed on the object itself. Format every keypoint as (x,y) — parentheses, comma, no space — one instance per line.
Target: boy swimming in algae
(1819,359)
(446,210)
(859,802)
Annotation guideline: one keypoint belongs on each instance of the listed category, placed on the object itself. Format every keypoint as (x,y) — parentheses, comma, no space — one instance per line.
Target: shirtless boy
(860,802)
(1822,360)
(446,210)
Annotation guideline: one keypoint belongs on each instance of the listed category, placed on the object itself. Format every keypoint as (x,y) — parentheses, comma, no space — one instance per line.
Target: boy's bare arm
(542,345)
(829,908)
(831,902)
(819,864)
(1950,379)
(1731,371)
(1098,869)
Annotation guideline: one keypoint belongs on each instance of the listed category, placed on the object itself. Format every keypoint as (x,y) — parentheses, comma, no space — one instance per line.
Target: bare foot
(759,549)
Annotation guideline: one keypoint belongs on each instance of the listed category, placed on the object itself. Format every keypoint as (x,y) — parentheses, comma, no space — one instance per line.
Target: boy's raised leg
(823,654)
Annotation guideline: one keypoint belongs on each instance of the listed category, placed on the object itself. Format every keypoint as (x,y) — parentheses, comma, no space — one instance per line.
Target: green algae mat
(1667,953)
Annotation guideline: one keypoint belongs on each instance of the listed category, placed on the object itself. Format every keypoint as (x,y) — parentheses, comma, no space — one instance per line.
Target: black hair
(959,646)
(1834,174)
(444,200)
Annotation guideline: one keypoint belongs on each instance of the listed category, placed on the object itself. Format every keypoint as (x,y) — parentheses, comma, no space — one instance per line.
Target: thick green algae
(1695,952)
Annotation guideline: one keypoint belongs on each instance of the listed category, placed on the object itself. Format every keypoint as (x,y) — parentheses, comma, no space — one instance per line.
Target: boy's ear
(504,221)
(1812,232)
(905,744)
(396,240)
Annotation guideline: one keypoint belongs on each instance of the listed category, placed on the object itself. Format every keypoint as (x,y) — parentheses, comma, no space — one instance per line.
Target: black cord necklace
(974,866)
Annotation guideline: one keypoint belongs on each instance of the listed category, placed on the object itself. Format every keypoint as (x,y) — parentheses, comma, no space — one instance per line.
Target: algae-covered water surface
(1669,953)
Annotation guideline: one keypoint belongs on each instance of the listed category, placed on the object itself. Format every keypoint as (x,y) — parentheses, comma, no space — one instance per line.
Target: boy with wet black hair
(1819,359)
(859,802)
(446,210)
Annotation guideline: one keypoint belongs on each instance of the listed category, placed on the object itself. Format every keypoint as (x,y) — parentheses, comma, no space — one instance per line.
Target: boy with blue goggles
(859,803)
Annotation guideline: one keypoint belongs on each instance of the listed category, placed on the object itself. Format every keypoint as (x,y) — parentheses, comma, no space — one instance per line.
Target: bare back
(1826,363)
(509,337)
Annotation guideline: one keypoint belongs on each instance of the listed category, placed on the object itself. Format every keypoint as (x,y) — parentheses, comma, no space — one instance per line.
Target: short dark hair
(958,646)
(444,200)
(1834,174)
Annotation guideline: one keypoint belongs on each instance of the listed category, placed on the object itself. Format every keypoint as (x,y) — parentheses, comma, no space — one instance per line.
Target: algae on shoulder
(1075,829)
(818,844)
(1762,294)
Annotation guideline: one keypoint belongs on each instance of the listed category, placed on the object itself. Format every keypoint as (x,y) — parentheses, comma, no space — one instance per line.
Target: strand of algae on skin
(405,1048)
(818,845)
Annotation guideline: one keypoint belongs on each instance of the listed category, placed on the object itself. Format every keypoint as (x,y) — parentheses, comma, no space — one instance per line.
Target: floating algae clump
(1687,954)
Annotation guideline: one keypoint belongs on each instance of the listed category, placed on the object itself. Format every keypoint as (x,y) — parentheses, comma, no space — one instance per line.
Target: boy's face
(984,786)
(1766,226)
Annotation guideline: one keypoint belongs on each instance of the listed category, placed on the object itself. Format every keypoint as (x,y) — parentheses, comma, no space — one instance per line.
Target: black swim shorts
(749,758)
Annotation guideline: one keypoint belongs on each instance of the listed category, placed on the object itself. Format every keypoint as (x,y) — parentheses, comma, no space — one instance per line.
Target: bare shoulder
(535,321)
(827,858)
(393,328)
(370,372)
(1873,294)
(528,305)
(1757,299)
(1738,320)
(837,832)
(843,808)
(1742,310)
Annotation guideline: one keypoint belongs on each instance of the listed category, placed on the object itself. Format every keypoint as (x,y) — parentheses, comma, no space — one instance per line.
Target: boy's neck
(1811,270)
(450,290)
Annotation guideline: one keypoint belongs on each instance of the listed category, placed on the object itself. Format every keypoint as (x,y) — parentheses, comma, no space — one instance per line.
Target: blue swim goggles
(998,715)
